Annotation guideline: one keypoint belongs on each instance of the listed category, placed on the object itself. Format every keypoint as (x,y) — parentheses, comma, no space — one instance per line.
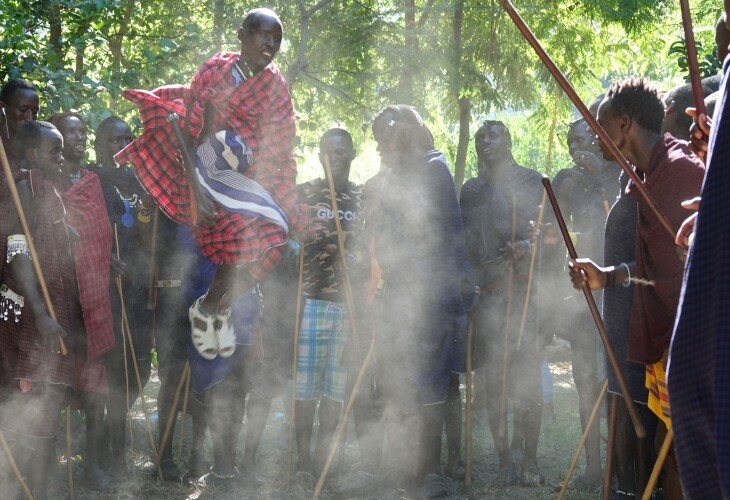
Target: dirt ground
(560,435)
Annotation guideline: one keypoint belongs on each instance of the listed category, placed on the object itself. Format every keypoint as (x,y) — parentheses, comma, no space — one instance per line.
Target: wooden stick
(597,128)
(345,418)
(343,264)
(694,71)
(29,240)
(610,448)
(124,344)
(14,466)
(530,276)
(469,405)
(583,438)
(341,246)
(297,326)
(610,354)
(171,418)
(127,333)
(184,412)
(152,289)
(658,465)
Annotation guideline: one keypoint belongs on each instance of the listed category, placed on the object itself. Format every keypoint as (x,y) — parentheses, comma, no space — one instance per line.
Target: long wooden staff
(127,334)
(694,72)
(171,418)
(573,95)
(610,354)
(124,344)
(341,247)
(14,466)
(297,326)
(345,419)
(469,405)
(583,438)
(658,465)
(348,294)
(530,276)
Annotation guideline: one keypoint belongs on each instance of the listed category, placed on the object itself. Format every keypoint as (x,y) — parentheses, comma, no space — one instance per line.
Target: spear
(694,72)
(610,354)
(600,132)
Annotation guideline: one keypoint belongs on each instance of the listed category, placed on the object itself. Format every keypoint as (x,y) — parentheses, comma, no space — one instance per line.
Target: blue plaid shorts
(322,336)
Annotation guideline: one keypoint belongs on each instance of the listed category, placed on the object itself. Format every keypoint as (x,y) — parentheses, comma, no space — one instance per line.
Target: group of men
(370,288)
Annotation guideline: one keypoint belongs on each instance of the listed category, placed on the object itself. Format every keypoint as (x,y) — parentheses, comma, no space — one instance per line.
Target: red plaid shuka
(86,213)
(261,112)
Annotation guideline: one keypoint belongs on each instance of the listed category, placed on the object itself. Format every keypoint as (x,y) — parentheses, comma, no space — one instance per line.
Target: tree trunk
(55,48)
(463,146)
(463,102)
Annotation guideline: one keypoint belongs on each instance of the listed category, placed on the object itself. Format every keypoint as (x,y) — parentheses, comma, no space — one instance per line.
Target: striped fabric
(220,163)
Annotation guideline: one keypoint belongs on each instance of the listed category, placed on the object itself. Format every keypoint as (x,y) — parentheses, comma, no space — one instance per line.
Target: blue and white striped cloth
(220,163)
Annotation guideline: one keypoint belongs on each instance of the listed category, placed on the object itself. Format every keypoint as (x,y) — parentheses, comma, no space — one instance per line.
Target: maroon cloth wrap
(261,112)
(674,175)
(86,213)
(22,356)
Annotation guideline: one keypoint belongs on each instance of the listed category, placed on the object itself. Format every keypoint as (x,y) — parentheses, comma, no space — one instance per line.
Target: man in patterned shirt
(325,323)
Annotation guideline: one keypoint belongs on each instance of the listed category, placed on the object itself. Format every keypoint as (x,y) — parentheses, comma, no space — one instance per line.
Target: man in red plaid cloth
(241,198)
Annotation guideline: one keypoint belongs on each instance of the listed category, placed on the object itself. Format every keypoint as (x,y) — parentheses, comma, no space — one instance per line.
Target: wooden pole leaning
(127,334)
(14,467)
(297,326)
(584,111)
(171,418)
(610,354)
(345,419)
(350,308)
(658,465)
(531,274)
(583,438)
(694,72)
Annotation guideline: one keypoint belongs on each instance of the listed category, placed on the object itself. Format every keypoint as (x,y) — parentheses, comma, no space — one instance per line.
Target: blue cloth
(419,243)
(244,316)
(699,366)
(620,246)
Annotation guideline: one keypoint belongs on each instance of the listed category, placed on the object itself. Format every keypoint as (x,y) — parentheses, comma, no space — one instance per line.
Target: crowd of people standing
(195,240)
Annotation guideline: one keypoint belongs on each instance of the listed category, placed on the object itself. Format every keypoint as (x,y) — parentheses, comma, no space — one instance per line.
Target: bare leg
(256,415)
(93,405)
(228,284)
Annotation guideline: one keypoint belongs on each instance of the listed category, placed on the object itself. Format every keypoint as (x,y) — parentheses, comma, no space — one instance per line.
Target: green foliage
(347,59)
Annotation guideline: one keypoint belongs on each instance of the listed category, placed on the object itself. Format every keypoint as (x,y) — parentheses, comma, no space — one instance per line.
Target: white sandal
(225,333)
(204,339)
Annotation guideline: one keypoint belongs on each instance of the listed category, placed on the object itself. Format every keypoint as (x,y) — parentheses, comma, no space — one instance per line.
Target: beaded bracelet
(17,245)
(627,282)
